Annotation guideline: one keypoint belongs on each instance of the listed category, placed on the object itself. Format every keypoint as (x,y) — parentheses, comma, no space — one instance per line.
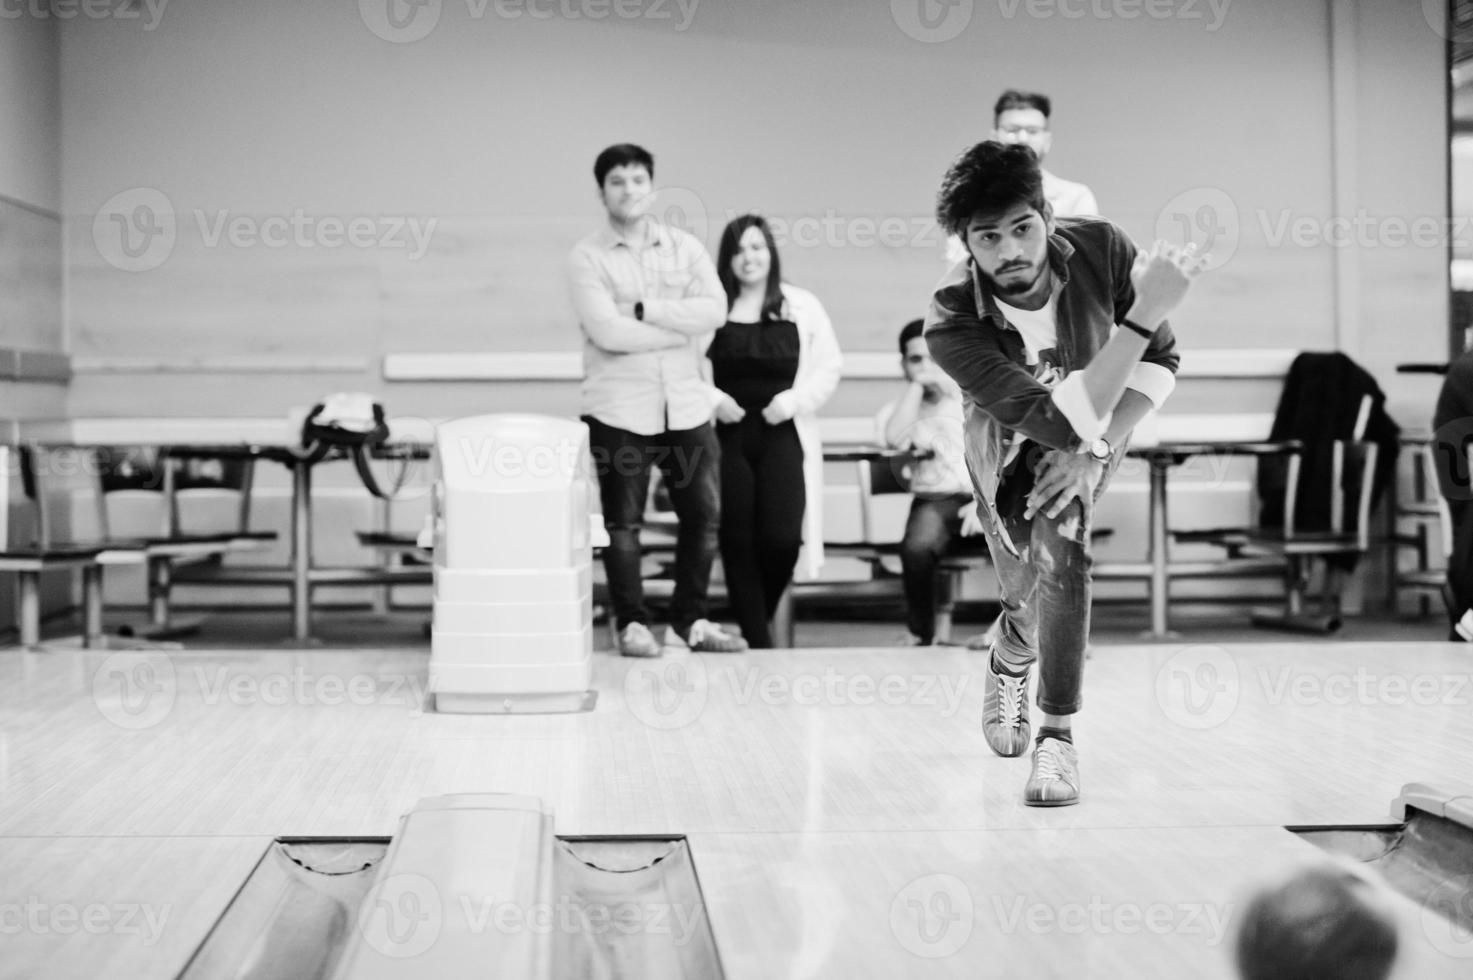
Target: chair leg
(1294,617)
(91,605)
(161,622)
(1295,586)
(30,608)
(160,584)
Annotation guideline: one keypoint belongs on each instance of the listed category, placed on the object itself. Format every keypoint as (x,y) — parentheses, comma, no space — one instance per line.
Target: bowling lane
(262,743)
(1001,904)
(83,907)
(1060,903)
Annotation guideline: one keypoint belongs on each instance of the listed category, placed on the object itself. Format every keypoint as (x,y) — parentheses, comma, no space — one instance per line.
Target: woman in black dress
(776,361)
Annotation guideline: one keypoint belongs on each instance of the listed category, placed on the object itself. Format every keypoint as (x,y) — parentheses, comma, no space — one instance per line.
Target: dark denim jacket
(1092,259)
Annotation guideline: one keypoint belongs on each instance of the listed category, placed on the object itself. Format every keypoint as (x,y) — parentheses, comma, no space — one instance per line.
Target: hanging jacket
(1319,404)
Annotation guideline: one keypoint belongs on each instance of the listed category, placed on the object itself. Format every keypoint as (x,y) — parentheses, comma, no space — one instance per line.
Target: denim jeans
(934,523)
(1045,587)
(689,461)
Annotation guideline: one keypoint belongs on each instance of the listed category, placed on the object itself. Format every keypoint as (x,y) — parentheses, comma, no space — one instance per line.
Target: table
(301,575)
(1162,458)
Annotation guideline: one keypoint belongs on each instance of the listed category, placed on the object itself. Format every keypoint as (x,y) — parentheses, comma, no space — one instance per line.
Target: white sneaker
(707,637)
(638,641)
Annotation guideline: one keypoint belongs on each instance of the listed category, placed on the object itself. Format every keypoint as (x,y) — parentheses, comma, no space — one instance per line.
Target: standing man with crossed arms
(648,300)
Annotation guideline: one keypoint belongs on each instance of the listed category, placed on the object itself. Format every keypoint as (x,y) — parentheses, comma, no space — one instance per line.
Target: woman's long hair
(731,240)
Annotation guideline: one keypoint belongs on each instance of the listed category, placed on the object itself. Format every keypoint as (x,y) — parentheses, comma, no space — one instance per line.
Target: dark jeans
(934,523)
(689,460)
(1458,594)
(762,502)
(1045,587)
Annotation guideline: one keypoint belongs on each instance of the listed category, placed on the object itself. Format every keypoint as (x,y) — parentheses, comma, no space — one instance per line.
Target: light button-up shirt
(646,376)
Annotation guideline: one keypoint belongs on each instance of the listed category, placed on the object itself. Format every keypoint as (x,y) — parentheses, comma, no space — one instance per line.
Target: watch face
(1099,449)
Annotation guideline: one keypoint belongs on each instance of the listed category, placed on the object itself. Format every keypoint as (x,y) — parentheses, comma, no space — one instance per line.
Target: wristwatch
(639,310)
(1099,449)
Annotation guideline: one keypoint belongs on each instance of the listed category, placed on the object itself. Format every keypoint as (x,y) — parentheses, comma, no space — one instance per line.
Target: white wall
(817,112)
(30,251)
(1263,120)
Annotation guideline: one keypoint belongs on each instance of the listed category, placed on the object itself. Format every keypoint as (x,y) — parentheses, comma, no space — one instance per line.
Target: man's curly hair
(991,177)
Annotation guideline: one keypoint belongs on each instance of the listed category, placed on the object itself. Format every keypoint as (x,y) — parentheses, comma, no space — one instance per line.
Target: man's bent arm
(606,327)
(703,307)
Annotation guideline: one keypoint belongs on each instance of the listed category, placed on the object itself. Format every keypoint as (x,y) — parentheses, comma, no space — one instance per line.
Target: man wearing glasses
(1023,117)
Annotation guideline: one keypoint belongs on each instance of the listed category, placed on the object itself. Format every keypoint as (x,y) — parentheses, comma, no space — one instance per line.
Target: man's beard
(1016,287)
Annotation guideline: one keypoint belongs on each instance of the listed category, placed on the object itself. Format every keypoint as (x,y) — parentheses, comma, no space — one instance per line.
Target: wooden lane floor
(843,808)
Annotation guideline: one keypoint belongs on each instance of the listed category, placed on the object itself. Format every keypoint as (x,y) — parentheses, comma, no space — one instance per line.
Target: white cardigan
(819,363)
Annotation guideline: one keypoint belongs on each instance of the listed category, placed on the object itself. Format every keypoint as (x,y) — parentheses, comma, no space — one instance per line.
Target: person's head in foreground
(1327,920)
(992,199)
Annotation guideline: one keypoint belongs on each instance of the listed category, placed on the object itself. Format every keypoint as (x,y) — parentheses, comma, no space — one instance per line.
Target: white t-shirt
(1040,330)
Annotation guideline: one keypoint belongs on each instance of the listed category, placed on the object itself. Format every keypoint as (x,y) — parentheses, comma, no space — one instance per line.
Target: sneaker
(1055,777)
(706,637)
(638,641)
(1005,711)
(911,640)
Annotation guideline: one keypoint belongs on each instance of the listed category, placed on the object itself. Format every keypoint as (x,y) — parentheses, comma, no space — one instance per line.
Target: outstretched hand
(1163,275)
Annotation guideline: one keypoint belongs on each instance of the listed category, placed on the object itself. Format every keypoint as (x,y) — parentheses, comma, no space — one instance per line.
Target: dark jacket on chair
(1319,404)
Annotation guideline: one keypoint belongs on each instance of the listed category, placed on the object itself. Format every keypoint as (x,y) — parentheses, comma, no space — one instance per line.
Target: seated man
(927,420)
